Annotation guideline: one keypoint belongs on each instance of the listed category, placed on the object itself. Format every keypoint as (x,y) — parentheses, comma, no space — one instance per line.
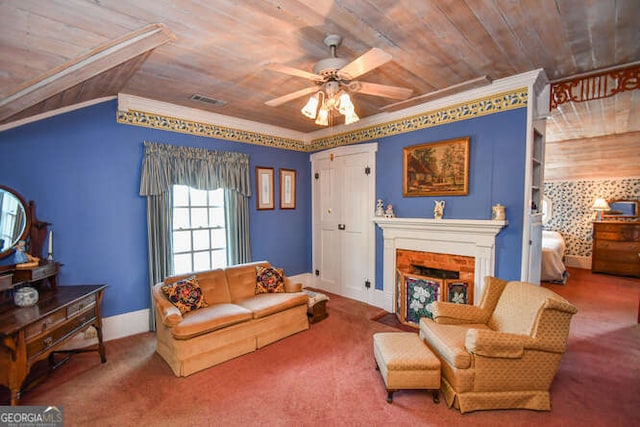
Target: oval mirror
(14,220)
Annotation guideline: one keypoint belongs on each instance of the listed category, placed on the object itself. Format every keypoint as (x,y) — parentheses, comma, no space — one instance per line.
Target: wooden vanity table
(38,332)
(31,334)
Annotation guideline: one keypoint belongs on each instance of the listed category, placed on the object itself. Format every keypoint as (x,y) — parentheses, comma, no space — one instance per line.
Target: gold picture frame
(287,189)
(264,188)
(436,168)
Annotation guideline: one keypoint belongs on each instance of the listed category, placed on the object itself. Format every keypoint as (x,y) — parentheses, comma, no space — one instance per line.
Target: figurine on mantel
(438,210)
(380,208)
(389,212)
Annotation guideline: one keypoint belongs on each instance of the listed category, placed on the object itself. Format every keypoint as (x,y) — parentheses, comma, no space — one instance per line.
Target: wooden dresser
(31,334)
(616,248)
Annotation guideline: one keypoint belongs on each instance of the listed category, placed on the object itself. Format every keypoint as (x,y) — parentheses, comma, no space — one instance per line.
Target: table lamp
(600,205)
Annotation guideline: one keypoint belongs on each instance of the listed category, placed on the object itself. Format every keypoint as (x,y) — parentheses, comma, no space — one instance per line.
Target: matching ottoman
(406,362)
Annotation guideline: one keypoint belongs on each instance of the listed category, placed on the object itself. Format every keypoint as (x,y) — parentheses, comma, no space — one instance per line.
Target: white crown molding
(128,102)
(55,112)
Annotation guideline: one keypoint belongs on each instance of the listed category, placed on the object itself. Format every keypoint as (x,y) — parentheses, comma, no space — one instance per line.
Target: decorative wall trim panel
(156,121)
(504,101)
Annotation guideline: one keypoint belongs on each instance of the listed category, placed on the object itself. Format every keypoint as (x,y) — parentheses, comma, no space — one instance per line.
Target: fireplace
(474,239)
(425,277)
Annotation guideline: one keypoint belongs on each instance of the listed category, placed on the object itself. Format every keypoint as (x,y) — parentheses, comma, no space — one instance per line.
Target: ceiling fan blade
(364,63)
(376,89)
(293,72)
(293,95)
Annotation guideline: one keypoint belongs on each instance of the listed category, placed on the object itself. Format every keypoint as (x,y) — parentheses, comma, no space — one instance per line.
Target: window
(199,229)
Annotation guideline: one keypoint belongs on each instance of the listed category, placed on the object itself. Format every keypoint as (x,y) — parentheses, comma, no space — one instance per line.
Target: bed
(553,247)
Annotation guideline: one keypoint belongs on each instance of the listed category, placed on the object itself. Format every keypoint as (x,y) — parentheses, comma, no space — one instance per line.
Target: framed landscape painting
(436,168)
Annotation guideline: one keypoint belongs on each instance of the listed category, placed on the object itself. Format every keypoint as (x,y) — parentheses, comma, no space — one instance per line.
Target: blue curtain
(163,167)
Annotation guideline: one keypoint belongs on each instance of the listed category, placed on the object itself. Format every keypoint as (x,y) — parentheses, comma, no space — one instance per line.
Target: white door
(356,213)
(343,182)
(326,244)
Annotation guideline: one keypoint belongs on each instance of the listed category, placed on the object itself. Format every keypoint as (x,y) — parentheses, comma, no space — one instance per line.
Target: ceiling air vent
(208,100)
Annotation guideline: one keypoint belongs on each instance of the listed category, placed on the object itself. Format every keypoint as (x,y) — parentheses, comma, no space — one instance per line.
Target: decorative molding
(140,118)
(509,100)
(599,85)
(53,113)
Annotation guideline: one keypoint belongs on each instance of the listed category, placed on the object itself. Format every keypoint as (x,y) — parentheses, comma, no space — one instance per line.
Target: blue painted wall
(83,171)
(496,175)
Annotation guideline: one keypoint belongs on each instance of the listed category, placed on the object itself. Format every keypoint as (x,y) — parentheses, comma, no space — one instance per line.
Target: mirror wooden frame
(613,213)
(27,226)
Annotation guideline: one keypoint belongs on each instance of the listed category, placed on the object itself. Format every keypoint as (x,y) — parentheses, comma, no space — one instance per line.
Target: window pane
(219,258)
(216,197)
(218,238)
(181,241)
(182,264)
(180,218)
(198,197)
(201,261)
(216,217)
(199,217)
(180,195)
(201,240)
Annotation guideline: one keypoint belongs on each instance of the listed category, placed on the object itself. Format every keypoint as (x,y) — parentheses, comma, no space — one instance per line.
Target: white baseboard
(578,261)
(305,278)
(114,327)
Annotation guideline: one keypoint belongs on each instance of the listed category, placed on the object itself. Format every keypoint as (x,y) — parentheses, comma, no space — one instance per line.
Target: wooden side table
(31,334)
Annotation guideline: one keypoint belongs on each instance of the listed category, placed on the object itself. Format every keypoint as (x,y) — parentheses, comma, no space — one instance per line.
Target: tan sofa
(235,322)
(503,353)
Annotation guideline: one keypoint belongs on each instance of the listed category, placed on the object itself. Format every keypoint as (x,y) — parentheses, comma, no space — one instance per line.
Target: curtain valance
(166,165)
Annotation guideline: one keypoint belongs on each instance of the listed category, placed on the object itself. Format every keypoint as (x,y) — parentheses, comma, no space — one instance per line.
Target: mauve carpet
(326,376)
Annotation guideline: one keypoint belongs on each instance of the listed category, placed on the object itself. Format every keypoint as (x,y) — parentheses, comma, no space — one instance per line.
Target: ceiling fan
(334,79)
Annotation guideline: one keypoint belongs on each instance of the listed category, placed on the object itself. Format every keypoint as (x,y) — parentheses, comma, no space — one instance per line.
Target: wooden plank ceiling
(220,49)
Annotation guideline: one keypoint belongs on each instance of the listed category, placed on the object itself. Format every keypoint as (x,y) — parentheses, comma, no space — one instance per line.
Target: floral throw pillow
(269,280)
(185,294)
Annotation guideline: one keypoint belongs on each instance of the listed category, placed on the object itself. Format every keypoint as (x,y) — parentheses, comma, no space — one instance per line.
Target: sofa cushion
(448,341)
(213,284)
(209,319)
(269,280)
(262,305)
(241,279)
(185,294)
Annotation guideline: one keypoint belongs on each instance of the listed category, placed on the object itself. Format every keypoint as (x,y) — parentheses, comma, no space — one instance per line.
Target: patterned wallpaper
(571,208)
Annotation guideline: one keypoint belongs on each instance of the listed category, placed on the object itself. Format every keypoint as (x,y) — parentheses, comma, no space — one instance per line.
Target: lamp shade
(600,205)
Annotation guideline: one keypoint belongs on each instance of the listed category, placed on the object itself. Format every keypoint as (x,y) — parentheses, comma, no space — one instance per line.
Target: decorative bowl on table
(25,296)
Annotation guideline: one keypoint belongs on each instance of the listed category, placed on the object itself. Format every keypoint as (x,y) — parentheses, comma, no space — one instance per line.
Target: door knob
(341,226)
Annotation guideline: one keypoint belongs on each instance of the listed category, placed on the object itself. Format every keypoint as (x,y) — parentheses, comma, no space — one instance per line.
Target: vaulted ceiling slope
(219,49)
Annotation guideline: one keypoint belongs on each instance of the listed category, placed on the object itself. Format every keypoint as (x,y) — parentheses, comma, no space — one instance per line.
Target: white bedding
(553,247)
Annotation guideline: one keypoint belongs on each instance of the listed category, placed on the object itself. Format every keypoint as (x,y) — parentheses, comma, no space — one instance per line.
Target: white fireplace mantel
(467,237)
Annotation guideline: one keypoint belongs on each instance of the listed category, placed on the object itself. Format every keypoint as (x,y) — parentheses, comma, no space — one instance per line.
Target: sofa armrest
(169,313)
(485,342)
(290,286)
(456,314)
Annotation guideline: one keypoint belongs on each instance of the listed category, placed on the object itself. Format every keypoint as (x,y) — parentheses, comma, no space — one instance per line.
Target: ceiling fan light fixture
(345,104)
(311,107)
(323,116)
(350,117)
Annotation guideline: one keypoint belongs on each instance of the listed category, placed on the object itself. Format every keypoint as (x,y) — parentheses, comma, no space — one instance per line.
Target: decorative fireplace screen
(415,295)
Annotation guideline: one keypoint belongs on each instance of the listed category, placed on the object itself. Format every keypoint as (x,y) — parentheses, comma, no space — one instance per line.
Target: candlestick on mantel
(50,254)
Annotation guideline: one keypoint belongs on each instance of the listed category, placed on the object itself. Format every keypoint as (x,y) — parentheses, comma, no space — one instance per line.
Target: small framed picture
(287,189)
(264,184)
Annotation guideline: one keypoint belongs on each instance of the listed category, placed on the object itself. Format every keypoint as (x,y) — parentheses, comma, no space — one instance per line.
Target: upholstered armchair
(503,353)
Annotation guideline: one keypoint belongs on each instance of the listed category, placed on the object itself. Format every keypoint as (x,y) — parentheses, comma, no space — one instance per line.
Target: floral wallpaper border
(571,203)
(509,100)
